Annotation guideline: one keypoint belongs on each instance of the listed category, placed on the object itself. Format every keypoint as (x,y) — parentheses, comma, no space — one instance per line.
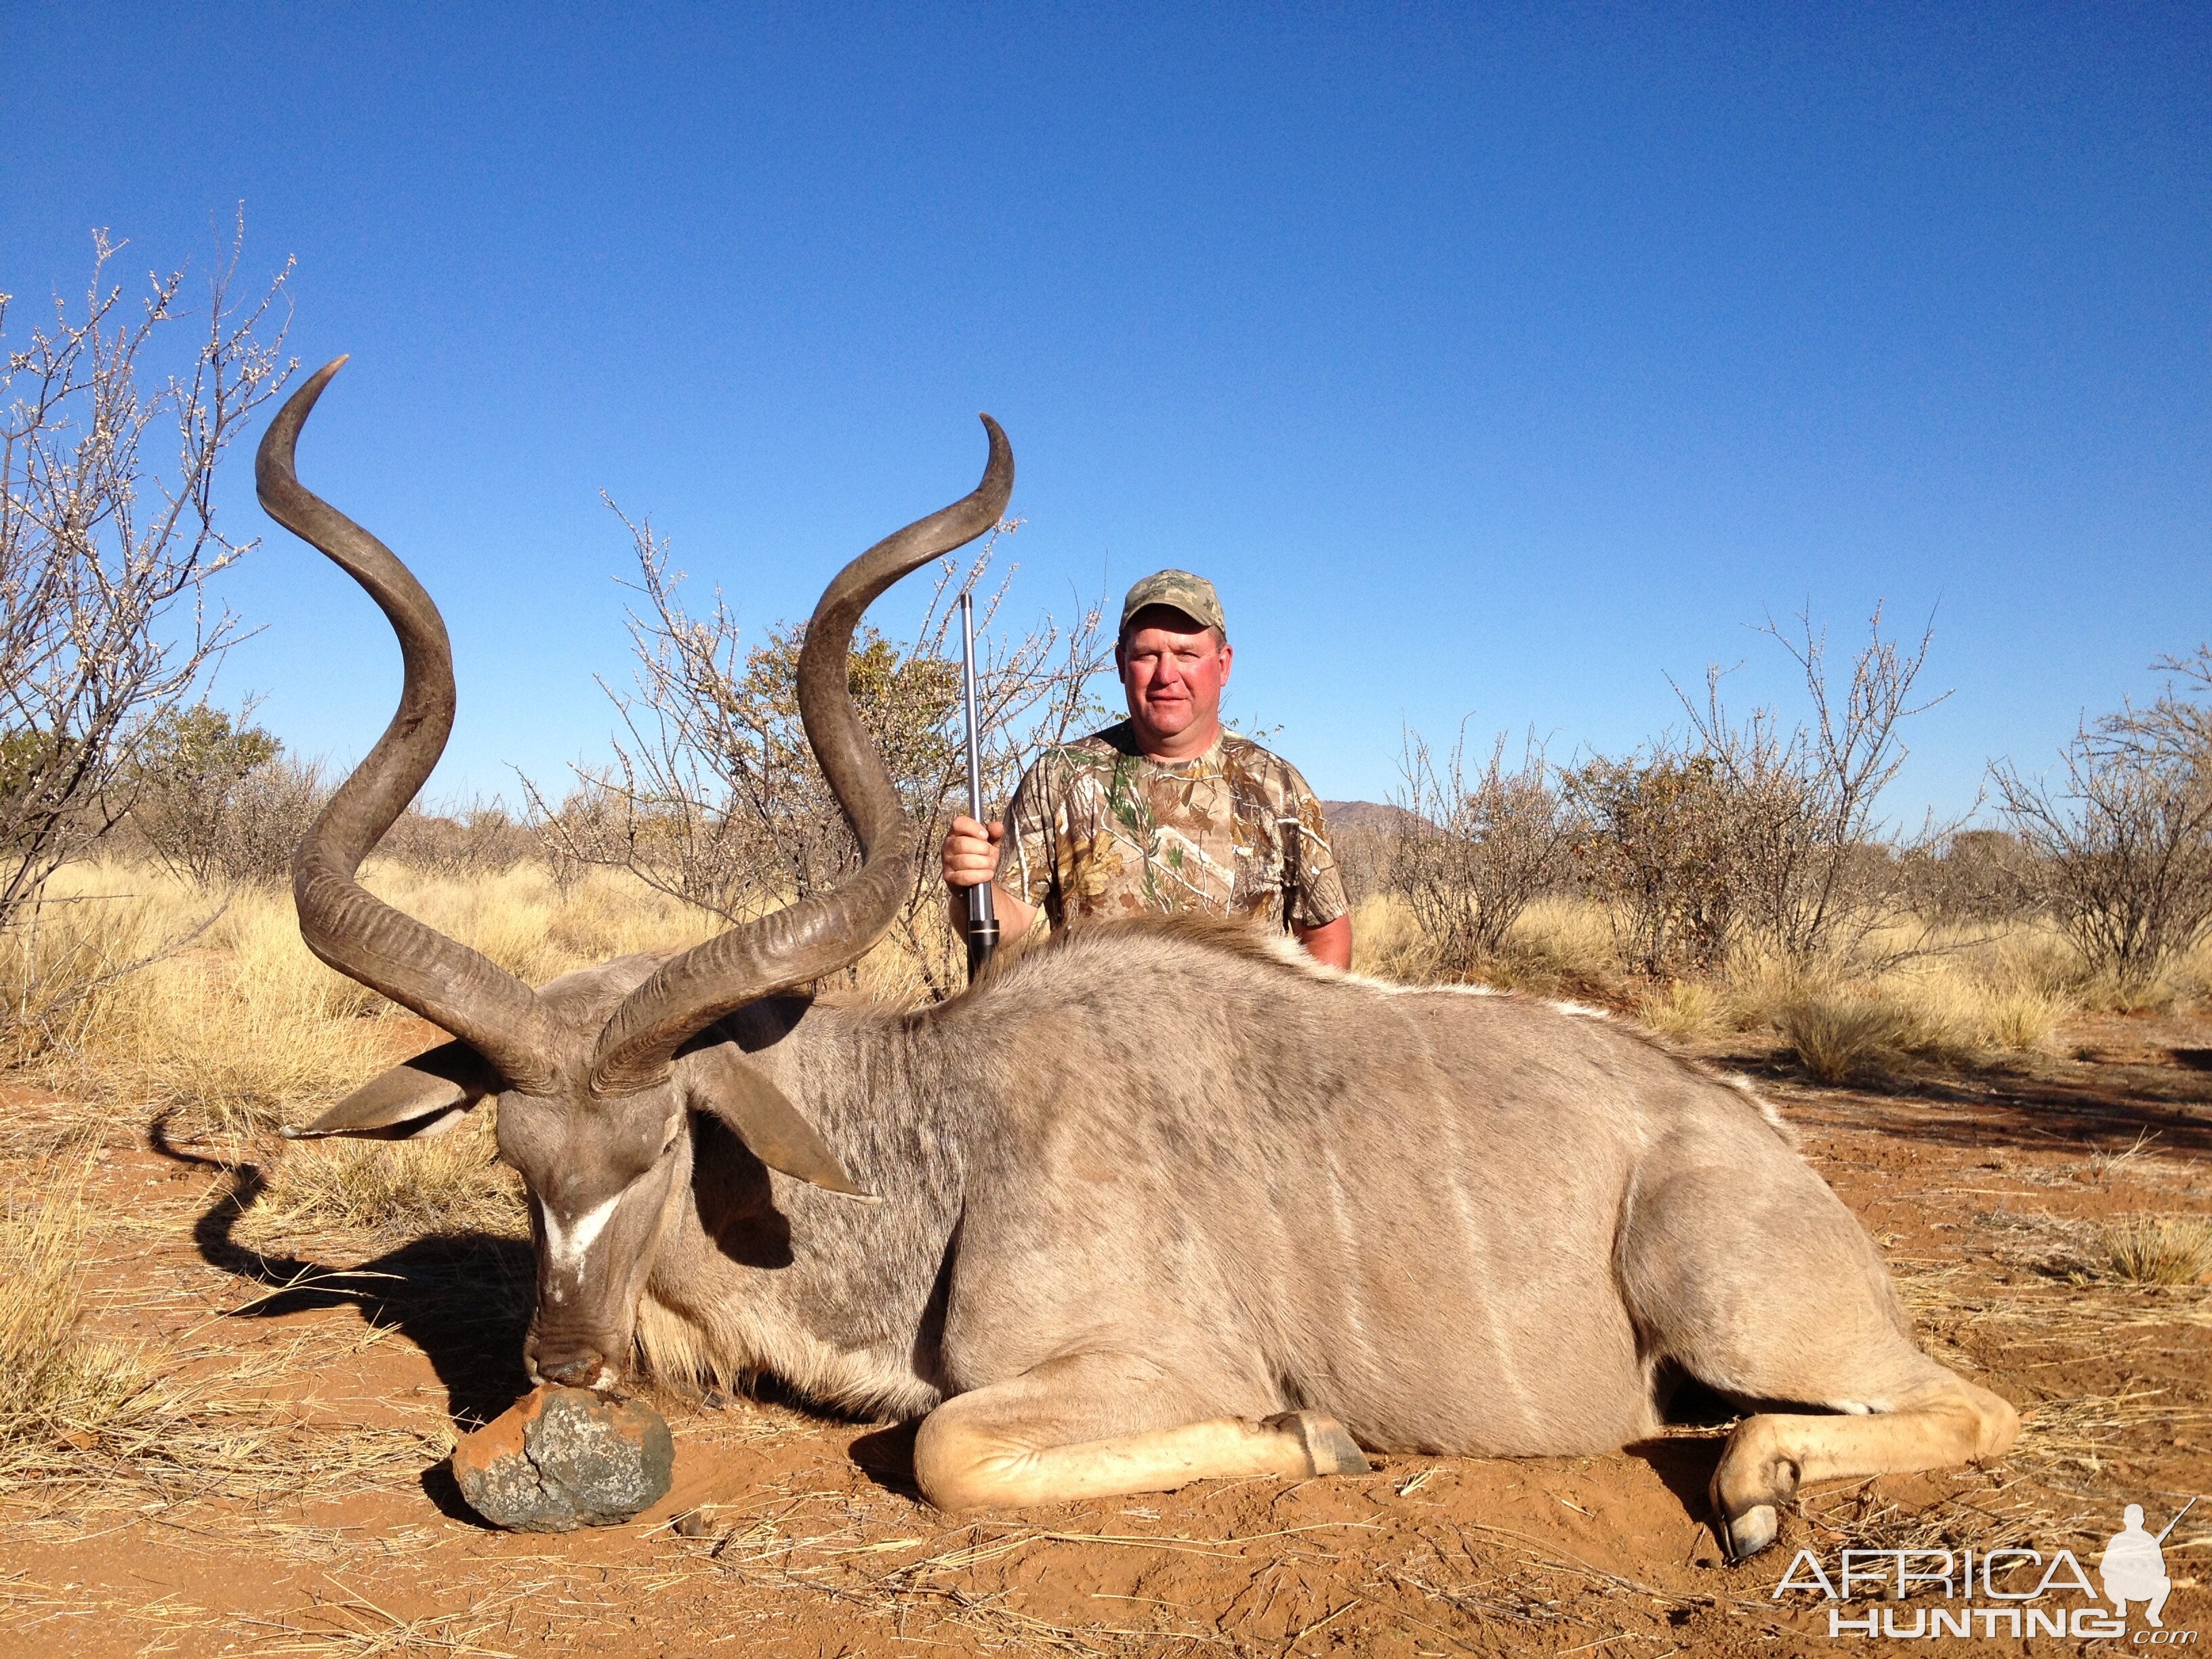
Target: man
(1164,811)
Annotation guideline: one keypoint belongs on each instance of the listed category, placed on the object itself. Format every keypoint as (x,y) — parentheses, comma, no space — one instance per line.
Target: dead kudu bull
(1155,1202)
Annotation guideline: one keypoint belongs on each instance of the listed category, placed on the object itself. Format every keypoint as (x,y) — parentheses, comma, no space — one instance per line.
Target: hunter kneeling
(1164,811)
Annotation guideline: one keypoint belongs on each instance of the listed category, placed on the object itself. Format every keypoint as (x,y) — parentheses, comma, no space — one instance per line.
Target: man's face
(1173,670)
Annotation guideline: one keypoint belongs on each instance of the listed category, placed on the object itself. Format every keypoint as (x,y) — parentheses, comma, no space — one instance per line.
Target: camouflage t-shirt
(1098,828)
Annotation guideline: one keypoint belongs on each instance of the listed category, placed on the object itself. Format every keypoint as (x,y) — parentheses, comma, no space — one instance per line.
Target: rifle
(982,920)
(2176,1522)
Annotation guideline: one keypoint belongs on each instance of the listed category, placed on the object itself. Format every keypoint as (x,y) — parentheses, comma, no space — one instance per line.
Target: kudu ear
(418,1098)
(717,1078)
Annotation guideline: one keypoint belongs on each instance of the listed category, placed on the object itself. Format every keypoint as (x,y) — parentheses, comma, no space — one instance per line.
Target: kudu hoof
(1328,1449)
(1744,1536)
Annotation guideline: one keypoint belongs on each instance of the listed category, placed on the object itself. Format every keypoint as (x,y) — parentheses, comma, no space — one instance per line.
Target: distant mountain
(1365,815)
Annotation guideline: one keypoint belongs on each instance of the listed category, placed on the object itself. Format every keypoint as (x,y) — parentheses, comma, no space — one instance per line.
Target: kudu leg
(1770,1454)
(1086,1427)
(1756,1280)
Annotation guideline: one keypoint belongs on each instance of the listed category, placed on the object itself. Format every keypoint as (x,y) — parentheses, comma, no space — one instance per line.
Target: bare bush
(1745,829)
(1657,837)
(1476,849)
(104,562)
(269,813)
(1973,878)
(1363,836)
(1814,873)
(217,800)
(714,795)
(477,839)
(2123,847)
(1363,857)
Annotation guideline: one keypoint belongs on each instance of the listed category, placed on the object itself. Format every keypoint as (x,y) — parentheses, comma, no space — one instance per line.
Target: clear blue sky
(1493,359)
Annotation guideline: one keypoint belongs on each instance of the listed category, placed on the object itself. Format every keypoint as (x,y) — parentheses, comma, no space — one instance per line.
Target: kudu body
(1150,1202)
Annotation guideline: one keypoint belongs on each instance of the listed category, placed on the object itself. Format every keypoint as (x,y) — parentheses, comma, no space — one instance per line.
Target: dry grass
(2155,1250)
(63,1396)
(1863,1517)
(1570,938)
(536,928)
(244,1030)
(2192,976)
(1969,998)
(2058,1303)
(1959,1001)
(88,1422)
(1959,998)
(1842,1039)
(1955,1000)
(2139,1160)
(449,1183)
(1388,942)
(231,1029)
(1554,942)
(1685,1009)
(81,942)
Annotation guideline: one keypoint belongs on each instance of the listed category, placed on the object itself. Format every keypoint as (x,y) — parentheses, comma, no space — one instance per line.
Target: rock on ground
(562,1458)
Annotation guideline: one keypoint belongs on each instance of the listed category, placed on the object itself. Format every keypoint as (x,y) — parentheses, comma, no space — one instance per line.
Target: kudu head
(595,1073)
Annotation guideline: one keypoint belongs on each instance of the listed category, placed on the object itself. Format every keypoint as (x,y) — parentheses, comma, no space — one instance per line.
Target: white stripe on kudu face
(566,1243)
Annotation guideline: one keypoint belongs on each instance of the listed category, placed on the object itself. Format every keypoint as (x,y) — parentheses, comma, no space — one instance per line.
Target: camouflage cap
(1192,595)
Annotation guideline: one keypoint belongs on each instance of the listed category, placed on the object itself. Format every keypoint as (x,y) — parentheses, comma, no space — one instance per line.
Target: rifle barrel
(2176,1522)
(982,920)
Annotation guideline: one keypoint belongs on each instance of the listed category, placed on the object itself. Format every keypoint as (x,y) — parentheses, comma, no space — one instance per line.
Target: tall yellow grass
(1571,936)
(63,1396)
(1961,998)
(241,1030)
(1554,941)
(244,1029)
(1387,942)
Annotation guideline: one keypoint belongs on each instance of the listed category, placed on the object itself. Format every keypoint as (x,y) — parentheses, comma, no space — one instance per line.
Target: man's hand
(971,852)
(1329,943)
(971,858)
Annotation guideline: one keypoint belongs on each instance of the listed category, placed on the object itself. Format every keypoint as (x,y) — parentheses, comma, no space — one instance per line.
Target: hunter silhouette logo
(2004,1592)
(2133,1565)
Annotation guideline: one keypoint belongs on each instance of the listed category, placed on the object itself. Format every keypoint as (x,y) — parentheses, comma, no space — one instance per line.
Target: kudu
(1152,1201)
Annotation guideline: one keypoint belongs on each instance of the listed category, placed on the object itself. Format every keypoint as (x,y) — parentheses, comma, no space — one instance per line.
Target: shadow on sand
(462,1298)
(2001,1105)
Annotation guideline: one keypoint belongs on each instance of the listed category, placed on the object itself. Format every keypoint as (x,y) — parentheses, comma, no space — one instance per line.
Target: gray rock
(562,1458)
